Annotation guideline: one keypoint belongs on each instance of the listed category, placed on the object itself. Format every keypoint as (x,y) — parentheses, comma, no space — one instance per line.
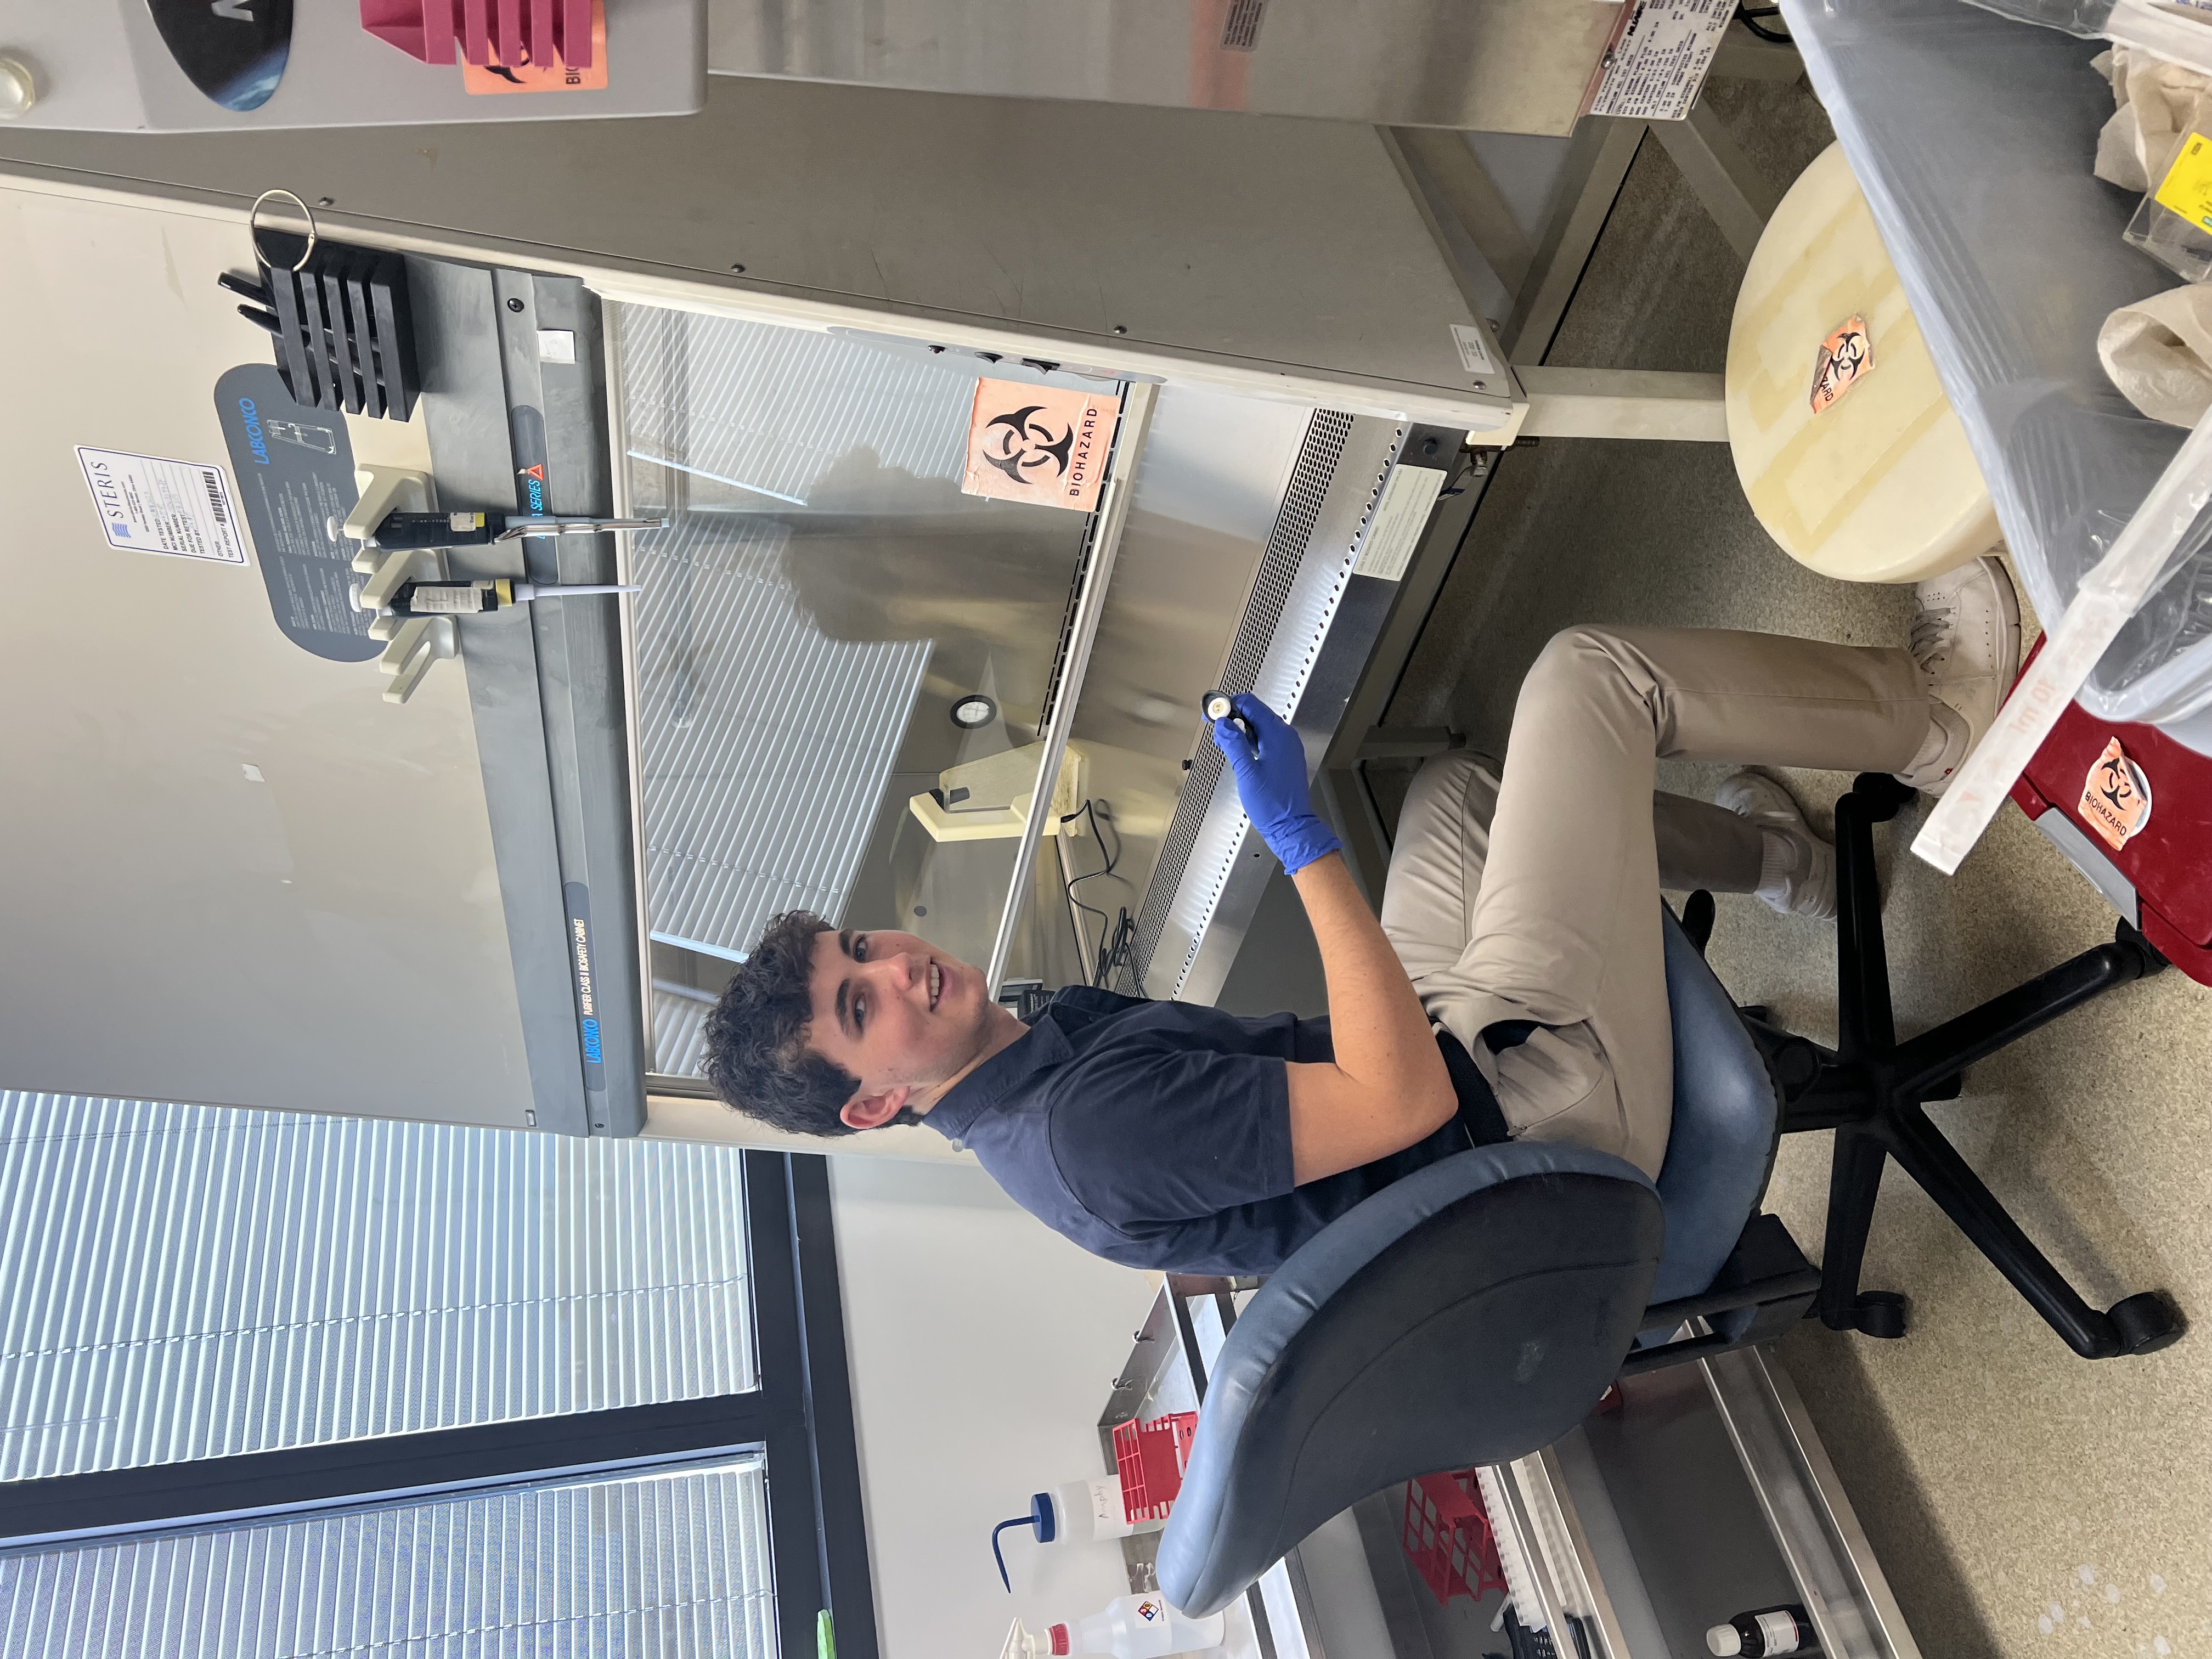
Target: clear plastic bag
(2082,18)
(1972,137)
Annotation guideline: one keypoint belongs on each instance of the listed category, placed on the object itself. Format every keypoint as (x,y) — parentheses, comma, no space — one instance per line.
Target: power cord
(1120,955)
(1748,16)
(1115,938)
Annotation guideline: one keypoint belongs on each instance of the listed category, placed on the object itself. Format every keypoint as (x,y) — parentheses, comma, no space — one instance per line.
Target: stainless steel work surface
(237,875)
(1495,65)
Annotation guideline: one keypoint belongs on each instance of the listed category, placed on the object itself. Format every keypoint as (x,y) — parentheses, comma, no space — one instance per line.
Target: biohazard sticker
(550,76)
(1846,358)
(2116,797)
(1039,443)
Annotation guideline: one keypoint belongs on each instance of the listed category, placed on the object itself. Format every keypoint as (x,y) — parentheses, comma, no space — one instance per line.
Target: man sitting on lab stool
(1514,986)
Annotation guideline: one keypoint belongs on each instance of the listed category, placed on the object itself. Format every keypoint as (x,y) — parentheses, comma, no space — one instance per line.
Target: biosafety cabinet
(261,855)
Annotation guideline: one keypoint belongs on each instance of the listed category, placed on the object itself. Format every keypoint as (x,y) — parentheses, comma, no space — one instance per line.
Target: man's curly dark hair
(757,1057)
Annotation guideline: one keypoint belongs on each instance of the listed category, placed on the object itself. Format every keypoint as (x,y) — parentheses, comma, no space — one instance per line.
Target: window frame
(801,1415)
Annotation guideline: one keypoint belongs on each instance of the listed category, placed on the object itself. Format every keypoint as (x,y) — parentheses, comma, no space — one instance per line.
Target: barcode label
(1658,59)
(148,504)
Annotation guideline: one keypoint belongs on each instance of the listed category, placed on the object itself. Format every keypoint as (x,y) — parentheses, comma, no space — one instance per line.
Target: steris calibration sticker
(147,504)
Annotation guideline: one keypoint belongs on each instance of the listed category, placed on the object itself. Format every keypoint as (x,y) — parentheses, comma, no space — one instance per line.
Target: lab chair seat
(1475,1311)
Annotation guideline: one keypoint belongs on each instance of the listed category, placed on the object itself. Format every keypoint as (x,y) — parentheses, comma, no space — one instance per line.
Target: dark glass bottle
(1764,1633)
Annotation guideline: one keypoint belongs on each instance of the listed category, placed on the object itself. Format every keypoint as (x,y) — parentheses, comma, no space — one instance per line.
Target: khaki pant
(1533,894)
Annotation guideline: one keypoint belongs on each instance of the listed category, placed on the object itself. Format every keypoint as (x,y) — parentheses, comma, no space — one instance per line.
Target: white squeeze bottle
(1130,1628)
(1090,1510)
(1076,1512)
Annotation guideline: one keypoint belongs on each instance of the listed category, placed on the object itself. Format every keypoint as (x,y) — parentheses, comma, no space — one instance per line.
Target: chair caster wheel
(2147,1323)
(2152,960)
(1880,1313)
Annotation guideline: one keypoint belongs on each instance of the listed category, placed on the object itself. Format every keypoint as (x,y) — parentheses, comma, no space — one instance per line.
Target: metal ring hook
(254,230)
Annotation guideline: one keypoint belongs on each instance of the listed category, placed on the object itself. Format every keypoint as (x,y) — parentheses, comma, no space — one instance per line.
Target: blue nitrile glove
(1271,780)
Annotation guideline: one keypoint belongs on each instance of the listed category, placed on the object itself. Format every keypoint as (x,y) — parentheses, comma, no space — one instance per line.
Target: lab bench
(1706,1491)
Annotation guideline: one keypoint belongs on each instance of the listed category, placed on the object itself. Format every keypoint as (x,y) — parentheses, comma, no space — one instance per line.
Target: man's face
(899,1014)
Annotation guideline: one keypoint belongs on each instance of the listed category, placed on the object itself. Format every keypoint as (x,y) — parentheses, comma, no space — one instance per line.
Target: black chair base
(1870,1089)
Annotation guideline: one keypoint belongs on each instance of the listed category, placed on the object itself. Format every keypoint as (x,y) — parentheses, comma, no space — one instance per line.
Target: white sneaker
(1797,869)
(1966,637)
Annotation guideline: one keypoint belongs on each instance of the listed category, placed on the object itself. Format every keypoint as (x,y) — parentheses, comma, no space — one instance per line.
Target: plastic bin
(1447,1538)
(1151,1458)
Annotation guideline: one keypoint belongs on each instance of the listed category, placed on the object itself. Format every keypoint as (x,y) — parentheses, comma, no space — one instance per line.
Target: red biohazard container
(1447,1537)
(510,32)
(2132,809)
(1151,1458)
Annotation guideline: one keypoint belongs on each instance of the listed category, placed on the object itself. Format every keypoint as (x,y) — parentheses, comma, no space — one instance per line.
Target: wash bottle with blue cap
(1073,1512)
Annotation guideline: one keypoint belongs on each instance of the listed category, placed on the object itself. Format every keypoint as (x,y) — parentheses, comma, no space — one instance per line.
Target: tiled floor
(2023,1501)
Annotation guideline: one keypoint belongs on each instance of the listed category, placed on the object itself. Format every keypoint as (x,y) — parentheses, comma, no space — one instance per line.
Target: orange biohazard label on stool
(1846,358)
(1045,444)
(2116,797)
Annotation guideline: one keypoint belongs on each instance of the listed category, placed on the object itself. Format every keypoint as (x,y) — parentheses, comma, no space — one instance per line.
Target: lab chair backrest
(1474,1310)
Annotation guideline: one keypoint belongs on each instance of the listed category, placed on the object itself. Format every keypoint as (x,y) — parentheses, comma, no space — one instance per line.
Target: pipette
(469,598)
(401,532)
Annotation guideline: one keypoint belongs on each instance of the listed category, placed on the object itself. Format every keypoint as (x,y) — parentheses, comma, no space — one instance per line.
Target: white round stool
(1879,486)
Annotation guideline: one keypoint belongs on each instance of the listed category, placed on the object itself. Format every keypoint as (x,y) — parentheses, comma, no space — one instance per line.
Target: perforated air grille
(1325,435)
(1241,31)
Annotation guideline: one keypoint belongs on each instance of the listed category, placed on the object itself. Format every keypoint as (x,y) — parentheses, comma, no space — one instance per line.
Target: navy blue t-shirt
(1158,1134)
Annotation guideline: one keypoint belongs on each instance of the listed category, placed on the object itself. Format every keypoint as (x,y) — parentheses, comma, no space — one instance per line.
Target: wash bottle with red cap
(1131,1628)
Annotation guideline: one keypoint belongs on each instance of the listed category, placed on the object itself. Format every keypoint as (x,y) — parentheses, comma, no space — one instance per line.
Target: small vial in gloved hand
(1216,706)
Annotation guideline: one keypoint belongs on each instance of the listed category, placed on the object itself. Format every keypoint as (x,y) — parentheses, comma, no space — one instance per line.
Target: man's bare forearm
(1381,1033)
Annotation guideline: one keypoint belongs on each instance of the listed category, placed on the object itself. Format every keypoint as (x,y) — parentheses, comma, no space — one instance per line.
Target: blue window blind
(187,1282)
(672,1563)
